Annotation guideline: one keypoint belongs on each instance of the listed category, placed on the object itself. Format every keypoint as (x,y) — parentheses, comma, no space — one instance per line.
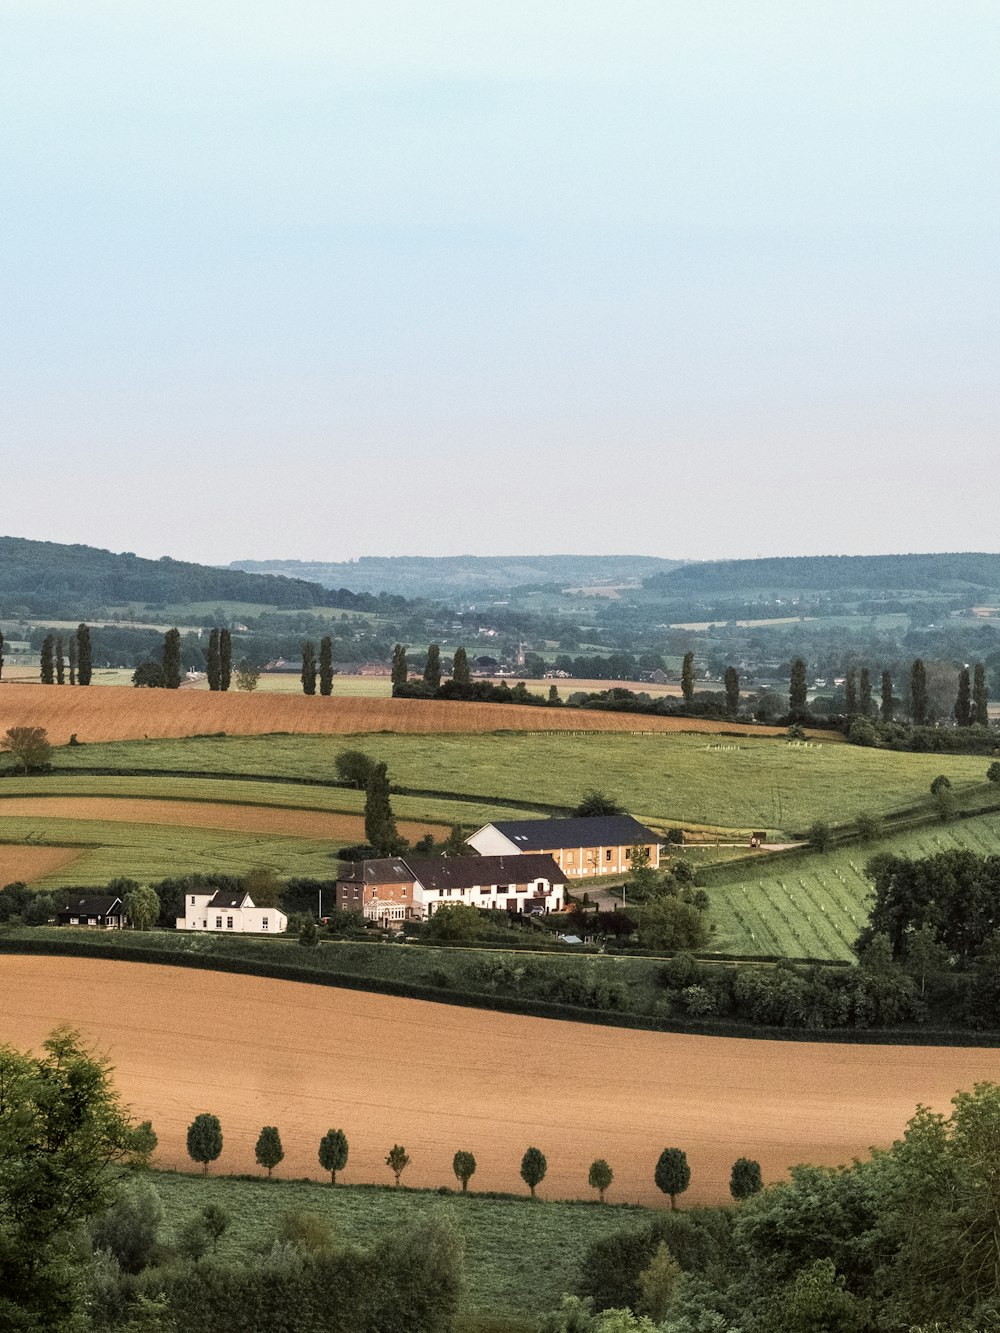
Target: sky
(320,280)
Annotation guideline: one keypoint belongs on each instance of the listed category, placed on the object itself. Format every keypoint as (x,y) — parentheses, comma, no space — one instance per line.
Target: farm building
(230,912)
(103,912)
(411,888)
(601,845)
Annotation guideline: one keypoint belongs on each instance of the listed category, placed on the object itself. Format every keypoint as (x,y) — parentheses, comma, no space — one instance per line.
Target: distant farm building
(601,845)
(103,912)
(230,914)
(412,888)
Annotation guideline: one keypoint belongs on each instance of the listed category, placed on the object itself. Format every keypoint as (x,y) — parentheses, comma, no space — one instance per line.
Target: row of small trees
(672,1173)
(62,663)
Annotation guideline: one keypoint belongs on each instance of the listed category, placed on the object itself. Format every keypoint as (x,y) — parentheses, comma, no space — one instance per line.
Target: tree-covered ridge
(828,573)
(50,578)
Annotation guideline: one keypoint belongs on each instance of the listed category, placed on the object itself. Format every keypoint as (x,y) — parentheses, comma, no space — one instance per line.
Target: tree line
(60,664)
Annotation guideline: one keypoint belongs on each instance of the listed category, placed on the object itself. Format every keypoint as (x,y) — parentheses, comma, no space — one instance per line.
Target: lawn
(519,1256)
(737,783)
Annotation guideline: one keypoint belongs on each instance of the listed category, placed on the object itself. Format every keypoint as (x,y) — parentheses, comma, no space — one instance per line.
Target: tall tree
(172,659)
(213,666)
(142,907)
(380,822)
(60,662)
(432,667)
(204,1139)
(798,691)
(732,681)
(84,655)
(326,666)
(918,693)
(72,659)
(308,676)
(460,669)
(963,703)
(865,693)
(47,670)
(672,1174)
(851,694)
(687,678)
(600,1177)
(888,706)
(533,1169)
(269,1151)
(225,659)
(464,1166)
(333,1150)
(400,667)
(980,698)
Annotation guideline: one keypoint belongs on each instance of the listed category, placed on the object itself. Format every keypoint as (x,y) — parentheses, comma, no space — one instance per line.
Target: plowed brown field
(28,863)
(436,1078)
(108,713)
(205,814)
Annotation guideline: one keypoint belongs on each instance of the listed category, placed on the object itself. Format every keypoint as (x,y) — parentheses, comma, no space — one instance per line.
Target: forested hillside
(878,574)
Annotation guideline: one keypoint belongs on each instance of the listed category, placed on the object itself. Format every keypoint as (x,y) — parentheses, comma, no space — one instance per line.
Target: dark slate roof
(462,872)
(381,870)
(226,899)
(102,905)
(600,831)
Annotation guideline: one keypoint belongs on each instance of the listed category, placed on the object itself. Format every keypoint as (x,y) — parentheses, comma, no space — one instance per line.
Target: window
(192,900)
(229,923)
(570,858)
(218,923)
(522,888)
(263,923)
(628,853)
(607,854)
(540,886)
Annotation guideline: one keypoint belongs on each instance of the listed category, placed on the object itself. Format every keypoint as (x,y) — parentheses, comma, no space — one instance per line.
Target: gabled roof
(224,898)
(462,872)
(534,835)
(99,905)
(380,870)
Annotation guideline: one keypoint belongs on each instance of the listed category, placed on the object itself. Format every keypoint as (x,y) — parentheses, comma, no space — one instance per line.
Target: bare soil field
(104,713)
(202,814)
(436,1078)
(30,863)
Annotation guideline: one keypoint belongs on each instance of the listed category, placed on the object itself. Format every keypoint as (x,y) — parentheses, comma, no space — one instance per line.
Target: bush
(820,835)
(993,772)
(130,1228)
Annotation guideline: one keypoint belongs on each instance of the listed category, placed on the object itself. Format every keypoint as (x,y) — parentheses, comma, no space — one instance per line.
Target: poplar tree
(60,662)
(918,693)
(172,659)
(797,690)
(963,703)
(980,698)
(46,672)
(213,665)
(732,691)
(326,665)
(865,693)
(308,676)
(687,678)
(432,667)
(380,822)
(225,659)
(84,664)
(72,659)
(888,706)
(851,694)
(460,669)
(400,667)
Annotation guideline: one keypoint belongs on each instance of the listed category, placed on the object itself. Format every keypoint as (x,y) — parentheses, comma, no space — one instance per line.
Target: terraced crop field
(814,906)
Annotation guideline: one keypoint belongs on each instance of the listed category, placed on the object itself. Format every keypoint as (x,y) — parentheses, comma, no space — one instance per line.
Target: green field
(731,783)
(813,906)
(519,1256)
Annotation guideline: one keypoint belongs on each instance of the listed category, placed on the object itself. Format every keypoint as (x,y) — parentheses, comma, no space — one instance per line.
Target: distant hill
(963,572)
(52,579)
(464,575)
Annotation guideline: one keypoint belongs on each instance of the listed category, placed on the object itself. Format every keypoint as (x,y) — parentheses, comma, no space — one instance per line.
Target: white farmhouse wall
(489,841)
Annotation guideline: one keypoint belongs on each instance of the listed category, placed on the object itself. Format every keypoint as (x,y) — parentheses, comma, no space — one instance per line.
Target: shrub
(129,1229)
(820,835)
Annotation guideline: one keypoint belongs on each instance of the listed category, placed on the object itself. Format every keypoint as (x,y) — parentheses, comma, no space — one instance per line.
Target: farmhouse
(412,888)
(596,846)
(104,912)
(230,913)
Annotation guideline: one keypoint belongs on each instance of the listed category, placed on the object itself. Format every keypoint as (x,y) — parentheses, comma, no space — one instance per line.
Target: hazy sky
(327,279)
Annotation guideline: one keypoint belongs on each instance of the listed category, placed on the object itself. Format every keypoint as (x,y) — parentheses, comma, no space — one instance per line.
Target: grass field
(516,1261)
(813,906)
(731,783)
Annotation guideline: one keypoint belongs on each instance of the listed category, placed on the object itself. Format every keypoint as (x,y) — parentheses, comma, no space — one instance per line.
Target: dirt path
(204,814)
(436,1078)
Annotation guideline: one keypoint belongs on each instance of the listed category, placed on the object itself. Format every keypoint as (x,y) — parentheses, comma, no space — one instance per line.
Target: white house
(230,914)
(398,889)
(598,845)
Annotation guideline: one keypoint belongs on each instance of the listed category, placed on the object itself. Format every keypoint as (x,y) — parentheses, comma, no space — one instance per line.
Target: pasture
(437,1078)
